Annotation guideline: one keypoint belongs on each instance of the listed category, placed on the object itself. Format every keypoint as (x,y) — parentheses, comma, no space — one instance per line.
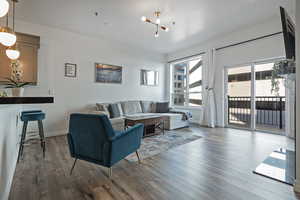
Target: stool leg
(42,137)
(23,136)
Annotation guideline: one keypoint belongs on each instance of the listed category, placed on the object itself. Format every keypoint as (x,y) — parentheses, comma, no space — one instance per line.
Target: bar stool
(32,115)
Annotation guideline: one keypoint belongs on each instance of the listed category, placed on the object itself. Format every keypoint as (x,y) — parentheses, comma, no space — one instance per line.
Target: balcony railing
(270,111)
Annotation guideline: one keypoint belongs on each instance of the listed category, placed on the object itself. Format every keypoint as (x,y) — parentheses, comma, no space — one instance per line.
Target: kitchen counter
(10,135)
(26,100)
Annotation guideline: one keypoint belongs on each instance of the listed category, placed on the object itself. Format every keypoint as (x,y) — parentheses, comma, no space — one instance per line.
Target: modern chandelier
(8,36)
(156,23)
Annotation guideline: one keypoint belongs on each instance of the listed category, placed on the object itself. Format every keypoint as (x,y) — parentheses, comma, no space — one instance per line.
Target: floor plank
(217,166)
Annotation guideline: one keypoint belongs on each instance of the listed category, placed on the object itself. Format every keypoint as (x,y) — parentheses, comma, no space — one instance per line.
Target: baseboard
(297,186)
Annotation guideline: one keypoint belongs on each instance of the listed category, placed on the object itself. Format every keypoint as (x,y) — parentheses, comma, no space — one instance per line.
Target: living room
(83,66)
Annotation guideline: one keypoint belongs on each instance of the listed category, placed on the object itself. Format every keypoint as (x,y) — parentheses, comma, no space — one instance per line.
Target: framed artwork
(70,70)
(105,73)
(149,77)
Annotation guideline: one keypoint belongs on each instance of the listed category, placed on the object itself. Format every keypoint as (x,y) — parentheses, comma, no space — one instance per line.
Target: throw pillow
(162,107)
(120,109)
(114,110)
(146,106)
(103,107)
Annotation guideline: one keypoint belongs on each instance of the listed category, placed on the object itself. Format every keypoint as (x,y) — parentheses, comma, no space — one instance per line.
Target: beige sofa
(174,119)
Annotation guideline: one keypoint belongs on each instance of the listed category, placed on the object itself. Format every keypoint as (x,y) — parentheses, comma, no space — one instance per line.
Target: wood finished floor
(217,166)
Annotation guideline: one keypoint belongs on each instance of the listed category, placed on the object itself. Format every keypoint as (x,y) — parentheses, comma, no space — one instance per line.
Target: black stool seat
(32,115)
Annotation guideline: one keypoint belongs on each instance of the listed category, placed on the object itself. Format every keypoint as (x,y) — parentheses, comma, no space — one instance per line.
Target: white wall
(9,143)
(75,94)
(297,185)
(254,51)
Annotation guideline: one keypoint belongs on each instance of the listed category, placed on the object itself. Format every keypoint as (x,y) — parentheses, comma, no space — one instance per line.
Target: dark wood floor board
(206,181)
(217,166)
(167,184)
(207,173)
(230,171)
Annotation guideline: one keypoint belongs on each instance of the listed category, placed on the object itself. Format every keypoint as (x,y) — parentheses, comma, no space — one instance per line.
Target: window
(186,83)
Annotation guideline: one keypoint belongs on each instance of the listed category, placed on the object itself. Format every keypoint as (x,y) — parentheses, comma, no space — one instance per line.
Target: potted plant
(280,68)
(15,82)
(17,88)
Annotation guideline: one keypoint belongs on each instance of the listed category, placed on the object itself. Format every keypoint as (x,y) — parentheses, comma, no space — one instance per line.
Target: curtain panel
(209,114)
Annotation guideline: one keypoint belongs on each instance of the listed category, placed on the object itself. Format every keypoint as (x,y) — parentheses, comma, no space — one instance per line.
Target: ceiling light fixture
(4,7)
(12,52)
(156,23)
(7,36)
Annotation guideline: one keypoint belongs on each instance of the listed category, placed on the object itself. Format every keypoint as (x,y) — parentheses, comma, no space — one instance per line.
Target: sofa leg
(109,173)
(73,166)
(138,156)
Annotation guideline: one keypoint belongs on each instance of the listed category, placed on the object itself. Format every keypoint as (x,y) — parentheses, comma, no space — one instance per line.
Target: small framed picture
(70,70)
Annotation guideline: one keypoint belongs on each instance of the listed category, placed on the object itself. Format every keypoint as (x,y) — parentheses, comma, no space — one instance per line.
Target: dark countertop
(26,100)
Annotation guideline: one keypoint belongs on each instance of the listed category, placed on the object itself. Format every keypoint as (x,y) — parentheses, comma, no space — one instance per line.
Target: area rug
(160,143)
(279,166)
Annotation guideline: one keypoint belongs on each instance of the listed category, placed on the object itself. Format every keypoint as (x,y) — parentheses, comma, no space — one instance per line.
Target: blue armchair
(92,138)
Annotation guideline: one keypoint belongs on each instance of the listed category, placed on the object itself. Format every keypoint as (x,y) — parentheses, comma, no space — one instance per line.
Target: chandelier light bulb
(157,21)
(12,54)
(156,35)
(143,18)
(4,7)
(7,37)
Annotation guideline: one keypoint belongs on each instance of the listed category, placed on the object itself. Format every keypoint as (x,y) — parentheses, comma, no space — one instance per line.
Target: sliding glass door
(239,94)
(269,100)
(254,100)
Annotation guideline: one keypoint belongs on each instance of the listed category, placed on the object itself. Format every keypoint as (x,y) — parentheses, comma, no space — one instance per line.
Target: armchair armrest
(126,142)
(137,129)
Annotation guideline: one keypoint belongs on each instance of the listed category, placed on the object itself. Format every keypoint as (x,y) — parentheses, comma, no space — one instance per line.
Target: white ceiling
(196,20)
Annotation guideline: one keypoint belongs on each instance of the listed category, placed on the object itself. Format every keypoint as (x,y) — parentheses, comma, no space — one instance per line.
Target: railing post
(280,113)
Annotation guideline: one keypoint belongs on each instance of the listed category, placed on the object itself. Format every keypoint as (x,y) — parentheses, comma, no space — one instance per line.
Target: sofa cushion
(141,115)
(162,107)
(153,107)
(103,107)
(131,107)
(117,120)
(120,108)
(114,110)
(97,112)
(118,123)
(146,106)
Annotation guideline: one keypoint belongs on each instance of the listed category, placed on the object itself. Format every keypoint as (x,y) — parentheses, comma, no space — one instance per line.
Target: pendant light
(4,7)
(7,36)
(12,52)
